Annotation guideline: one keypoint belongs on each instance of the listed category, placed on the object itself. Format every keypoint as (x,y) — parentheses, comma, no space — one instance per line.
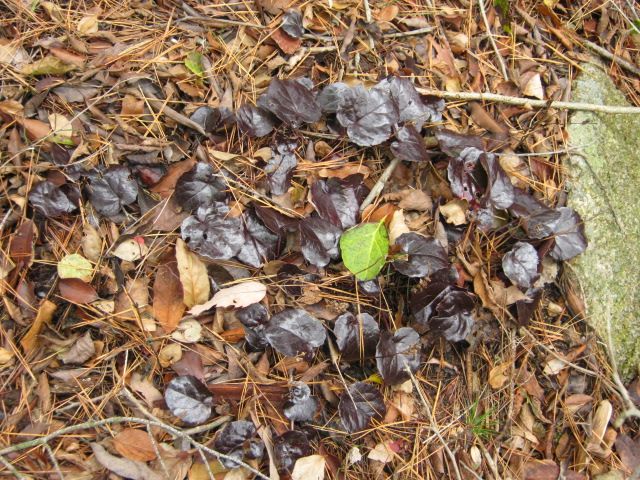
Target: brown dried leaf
(122,466)
(286,42)
(80,352)
(45,314)
(168,306)
(75,290)
(134,444)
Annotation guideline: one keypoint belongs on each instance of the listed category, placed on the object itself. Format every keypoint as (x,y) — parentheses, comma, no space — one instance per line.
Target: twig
(434,427)
(503,67)
(614,58)
(530,103)
(377,188)
(37,442)
(408,33)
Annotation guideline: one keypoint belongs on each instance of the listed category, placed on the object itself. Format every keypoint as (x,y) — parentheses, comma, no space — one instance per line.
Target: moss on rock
(604,183)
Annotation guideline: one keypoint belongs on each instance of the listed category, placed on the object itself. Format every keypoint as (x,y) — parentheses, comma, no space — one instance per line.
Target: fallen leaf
(532,85)
(168,305)
(60,125)
(397,226)
(134,444)
(188,331)
(238,296)
(498,376)
(193,275)
(48,65)
(122,466)
(364,249)
(88,25)
(170,354)
(189,399)
(75,266)
(76,291)
(5,356)
(91,243)
(309,468)
(144,387)
(286,42)
(81,351)
(131,250)
(381,453)
(454,212)
(45,314)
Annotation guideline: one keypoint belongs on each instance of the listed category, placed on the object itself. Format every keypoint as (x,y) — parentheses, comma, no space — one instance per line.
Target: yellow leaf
(60,125)
(88,25)
(193,275)
(75,266)
(498,375)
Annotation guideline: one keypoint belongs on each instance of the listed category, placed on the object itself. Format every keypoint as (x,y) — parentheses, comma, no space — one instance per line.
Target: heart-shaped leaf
(360,404)
(294,331)
(364,249)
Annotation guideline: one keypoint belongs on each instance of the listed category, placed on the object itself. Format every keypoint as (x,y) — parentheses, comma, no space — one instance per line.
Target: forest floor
(209,269)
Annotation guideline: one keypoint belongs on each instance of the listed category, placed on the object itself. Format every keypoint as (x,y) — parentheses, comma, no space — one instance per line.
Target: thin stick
(377,188)
(530,103)
(503,67)
(614,58)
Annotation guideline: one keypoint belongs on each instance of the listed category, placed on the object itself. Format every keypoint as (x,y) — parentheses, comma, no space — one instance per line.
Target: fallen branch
(603,52)
(377,188)
(530,103)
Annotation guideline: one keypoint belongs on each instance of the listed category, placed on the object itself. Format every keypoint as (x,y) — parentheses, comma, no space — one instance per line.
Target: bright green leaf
(194,63)
(75,266)
(364,249)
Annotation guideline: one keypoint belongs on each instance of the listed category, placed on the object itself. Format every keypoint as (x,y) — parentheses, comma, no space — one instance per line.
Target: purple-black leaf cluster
(238,441)
(359,405)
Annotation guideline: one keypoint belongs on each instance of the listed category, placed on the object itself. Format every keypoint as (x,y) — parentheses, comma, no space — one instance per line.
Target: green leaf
(75,266)
(364,249)
(194,63)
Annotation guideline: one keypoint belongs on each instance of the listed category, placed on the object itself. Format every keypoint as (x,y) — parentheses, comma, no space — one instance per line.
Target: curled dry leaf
(170,354)
(193,275)
(81,351)
(188,331)
(134,444)
(131,250)
(238,296)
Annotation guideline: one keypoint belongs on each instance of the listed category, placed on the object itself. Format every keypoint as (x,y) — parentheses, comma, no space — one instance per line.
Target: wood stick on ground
(377,188)
(614,58)
(529,102)
(503,67)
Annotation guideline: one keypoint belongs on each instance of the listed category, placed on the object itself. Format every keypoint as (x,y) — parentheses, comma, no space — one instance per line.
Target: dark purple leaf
(368,115)
(200,187)
(369,287)
(213,234)
(294,331)
(336,201)
(255,121)
(525,205)
(490,219)
(424,256)
(526,308)
(396,351)
(291,101)
(465,174)
(333,96)
(520,265)
(292,23)
(237,440)
(208,118)
(189,399)
(356,336)
(276,221)
(445,310)
(568,232)
(500,192)
(112,190)
(409,145)
(452,143)
(453,318)
(50,200)
(259,243)
(410,104)
(301,405)
(319,241)
(280,168)
(289,447)
(359,405)
(253,319)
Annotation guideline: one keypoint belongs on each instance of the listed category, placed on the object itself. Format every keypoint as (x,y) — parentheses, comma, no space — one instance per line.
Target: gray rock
(604,184)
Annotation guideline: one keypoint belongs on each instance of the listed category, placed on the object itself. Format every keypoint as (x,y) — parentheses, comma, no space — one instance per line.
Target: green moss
(604,182)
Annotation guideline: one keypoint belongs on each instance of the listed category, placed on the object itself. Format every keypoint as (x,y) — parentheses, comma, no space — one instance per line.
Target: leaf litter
(360,309)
